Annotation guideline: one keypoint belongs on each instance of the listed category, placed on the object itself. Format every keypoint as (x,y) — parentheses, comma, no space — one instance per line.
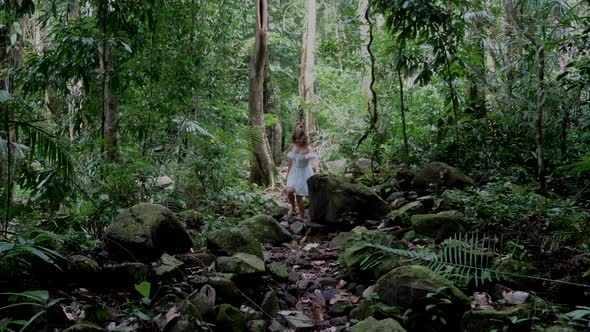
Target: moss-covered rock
(225,290)
(168,268)
(124,274)
(407,287)
(341,201)
(240,263)
(490,319)
(258,325)
(373,325)
(353,257)
(230,319)
(267,230)
(278,270)
(229,241)
(437,175)
(403,215)
(438,226)
(82,264)
(146,231)
(189,318)
(270,304)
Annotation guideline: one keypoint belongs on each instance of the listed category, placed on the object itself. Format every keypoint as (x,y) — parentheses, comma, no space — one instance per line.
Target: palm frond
(190,126)
(462,257)
(253,137)
(47,146)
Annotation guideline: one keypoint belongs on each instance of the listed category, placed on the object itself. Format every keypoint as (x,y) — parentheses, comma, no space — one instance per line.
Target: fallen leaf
(73,312)
(481,301)
(162,320)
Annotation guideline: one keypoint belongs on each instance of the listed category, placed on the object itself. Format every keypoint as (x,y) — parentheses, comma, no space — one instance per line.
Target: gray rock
(240,263)
(437,175)
(336,166)
(229,241)
(407,287)
(373,325)
(146,231)
(168,268)
(339,200)
(267,230)
(125,274)
(297,320)
(297,227)
(270,304)
(438,226)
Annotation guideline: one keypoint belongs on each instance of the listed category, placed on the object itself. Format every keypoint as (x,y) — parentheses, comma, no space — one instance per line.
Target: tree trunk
(262,165)
(307,80)
(539,121)
(403,112)
(109,102)
(364,34)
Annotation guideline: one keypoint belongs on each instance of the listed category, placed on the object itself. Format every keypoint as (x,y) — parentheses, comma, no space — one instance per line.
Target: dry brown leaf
(162,320)
(355,299)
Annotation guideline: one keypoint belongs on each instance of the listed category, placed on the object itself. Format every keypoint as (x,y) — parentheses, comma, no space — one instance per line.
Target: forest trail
(317,297)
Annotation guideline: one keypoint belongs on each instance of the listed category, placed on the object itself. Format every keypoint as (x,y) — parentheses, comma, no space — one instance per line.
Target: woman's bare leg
(301,207)
(291,197)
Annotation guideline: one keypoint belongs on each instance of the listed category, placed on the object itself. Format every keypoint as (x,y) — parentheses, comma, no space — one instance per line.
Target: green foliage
(464,258)
(38,300)
(17,256)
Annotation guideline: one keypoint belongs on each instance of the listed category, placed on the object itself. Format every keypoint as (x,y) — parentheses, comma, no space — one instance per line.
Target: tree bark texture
(364,34)
(262,165)
(307,80)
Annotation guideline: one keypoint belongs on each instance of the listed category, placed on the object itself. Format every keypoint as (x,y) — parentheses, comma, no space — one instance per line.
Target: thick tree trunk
(307,80)
(364,34)
(109,102)
(262,165)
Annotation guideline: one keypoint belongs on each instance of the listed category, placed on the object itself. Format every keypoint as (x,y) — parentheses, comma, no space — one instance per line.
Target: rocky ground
(274,273)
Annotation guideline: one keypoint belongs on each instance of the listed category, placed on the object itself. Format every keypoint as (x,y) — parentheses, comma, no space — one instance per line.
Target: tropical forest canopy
(191,104)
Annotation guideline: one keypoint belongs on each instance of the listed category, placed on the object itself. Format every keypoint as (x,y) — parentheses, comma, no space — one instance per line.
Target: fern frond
(460,258)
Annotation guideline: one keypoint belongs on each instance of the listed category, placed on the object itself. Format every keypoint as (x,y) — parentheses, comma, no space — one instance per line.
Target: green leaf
(4,96)
(13,39)
(141,315)
(127,47)
(17,28)
(143,288)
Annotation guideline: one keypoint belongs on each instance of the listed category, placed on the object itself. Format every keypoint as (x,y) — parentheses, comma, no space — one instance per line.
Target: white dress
(301,170)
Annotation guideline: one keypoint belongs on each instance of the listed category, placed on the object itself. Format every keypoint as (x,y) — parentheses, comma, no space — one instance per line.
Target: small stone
(297,227)
(297,320)
(290,299)
(338,321)
(324,282)
(257,326)
(278,270)
(240,263)
(341,308)
(294,276)
(275,326)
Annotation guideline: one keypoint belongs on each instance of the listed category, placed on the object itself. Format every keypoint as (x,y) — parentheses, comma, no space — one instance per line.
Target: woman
(301,167)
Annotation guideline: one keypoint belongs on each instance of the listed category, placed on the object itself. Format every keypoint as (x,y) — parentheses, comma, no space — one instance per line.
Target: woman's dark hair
(299,132)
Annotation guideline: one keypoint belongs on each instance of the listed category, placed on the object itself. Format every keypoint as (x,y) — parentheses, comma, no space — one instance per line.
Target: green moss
(230,319)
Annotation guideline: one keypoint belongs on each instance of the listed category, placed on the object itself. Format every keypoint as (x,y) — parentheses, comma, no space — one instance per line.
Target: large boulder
(229,241)
(146,231)
(407,287)
(338,200)
(267,230)
(438,226)
(436,175)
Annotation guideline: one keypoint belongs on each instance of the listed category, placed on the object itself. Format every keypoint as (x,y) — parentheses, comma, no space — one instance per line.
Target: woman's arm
(289,162)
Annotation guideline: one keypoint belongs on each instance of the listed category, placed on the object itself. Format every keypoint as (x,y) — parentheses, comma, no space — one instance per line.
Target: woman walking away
(301,167)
